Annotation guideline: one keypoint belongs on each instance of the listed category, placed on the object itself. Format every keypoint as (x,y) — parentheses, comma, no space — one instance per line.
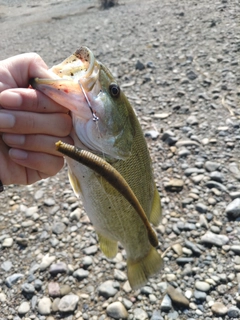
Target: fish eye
(114,90)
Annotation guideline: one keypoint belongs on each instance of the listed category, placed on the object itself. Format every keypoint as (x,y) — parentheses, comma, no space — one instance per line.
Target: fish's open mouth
(71,79)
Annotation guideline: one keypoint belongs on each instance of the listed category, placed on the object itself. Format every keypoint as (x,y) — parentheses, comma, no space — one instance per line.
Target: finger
(38,165)
(29,100)
(37,143)
(55,124)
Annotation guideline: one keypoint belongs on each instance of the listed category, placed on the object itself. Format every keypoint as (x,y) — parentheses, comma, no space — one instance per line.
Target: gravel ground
(178,63)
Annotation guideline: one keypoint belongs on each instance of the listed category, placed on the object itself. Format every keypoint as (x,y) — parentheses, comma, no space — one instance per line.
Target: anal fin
(141,270)
(109,247)
(156,213)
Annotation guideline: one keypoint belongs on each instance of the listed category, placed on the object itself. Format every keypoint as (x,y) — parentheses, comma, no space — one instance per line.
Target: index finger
(29,100)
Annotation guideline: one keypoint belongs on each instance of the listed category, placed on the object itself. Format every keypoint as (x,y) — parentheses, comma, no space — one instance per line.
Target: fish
(105,124)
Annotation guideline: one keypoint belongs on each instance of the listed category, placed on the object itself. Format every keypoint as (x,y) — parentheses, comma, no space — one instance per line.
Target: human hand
(30,123)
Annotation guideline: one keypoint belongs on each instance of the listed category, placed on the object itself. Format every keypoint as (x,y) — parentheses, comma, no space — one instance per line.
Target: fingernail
(13,139)
(7,120)
(18,154)
(10,99)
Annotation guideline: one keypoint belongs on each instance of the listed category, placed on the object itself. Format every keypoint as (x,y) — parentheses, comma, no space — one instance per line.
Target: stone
(219,309)
(7,242)
(6,265)
(211,166)
(46,262)
(49,202)
(233,209)
(28,288)
(177,296)
(44,306)
(202,286)
(139,66)
(151,134)
(58,227)
(166,304)
(80,274)
(59,267)
(107,289)
(119,275)
(116,310)
(214,239)
(54,289)
(199,295)
(23,308)
(233,312)
(68,303)
(140,314)
(174,185)
(64,289)
(11,280)
(156,315)
(90,250)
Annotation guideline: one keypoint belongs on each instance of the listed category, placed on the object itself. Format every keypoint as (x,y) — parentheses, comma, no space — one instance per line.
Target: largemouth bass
(104,123)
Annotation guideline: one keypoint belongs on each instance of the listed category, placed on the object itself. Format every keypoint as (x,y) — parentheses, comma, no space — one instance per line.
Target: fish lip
(81,67)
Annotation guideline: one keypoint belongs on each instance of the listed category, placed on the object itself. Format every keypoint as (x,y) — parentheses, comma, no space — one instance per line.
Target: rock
(119,275)
(166,304)
(214,239)
(174,185)
(116,310)
(219,309)
(202,286)
(59,267)
(156,315)
(64,289)
(201,208)
(46,262)
(6,265)
(38,284)
(68,303)
(199,295)
(3,297)
(107,289)
(58,227)
(7,242)
(127,303)
(28,288)
(151,134)
(75,215)
(139,66)
(54,289)
(23,308)
(233,312)
(80,274)
(192,120)
(90,250)
(235,248)
(44,306)
(177,297)
(140,314)
(11,280)
(87,262)
(233,209)
(177,248)
(49,202)
(214,184)
(147,290)
(191,75)
(211,166)
(169,138)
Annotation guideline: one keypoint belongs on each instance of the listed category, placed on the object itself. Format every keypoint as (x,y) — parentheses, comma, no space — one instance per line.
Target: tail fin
(139,271)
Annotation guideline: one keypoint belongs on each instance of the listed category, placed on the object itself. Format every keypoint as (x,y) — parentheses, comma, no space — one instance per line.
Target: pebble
(214,239)
(3,297)
(199,295)
(107,289)
(174,185)
(211,166)
(44,306)
(202,286)
(23,308)
(166,304)
(156,315)
(90,250)
(140,314)
(49,202)
(59,267)
(116,310)
(46,262)
(54,289)
(80,273)
(151,134)
(68,303)
(58,227)
(7,242)
(233,312)
(233,209)
(11,280)
(235,248)
(28,288)
(6,265)
(119,275)
(177,297)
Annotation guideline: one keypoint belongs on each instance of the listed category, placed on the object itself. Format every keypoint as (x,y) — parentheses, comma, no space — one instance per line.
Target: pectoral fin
(108,247)
(74,183)
(156,213)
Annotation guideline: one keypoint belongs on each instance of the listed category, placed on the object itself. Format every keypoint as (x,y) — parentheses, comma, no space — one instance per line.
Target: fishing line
(95,117)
